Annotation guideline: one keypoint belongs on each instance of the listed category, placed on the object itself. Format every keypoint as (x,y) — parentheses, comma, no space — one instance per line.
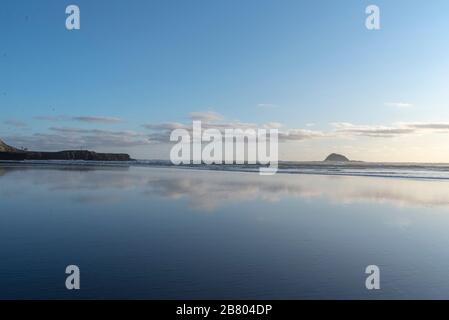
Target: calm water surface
(176,233)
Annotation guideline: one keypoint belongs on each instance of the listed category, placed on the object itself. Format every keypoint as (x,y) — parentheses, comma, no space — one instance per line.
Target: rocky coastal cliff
(10,153)
(5,148)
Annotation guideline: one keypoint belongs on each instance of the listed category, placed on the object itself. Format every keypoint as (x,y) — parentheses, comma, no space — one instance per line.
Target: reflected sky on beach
(178,233)
(209,190)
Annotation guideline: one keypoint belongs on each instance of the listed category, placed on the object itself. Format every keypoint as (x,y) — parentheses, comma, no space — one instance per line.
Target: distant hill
(337,158)
(5,148)
(10,153)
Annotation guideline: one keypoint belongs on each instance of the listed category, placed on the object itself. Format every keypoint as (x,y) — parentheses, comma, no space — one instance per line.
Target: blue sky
(308,65)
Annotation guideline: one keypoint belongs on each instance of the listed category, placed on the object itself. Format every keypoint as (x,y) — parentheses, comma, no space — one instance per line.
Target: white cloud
(168,126)
(398,104)
(428,125)
(53,118)
(267,105)
(301,134)
(161,132)
(15,123)
(398,129)
(97,119)
(371,130)
(273,125)
(63,138)
(89,119)
(207,116)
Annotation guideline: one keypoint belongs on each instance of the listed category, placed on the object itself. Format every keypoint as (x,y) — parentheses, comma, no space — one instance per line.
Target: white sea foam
(387,170)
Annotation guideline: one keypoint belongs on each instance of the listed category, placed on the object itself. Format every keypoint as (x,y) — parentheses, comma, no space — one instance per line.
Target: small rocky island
(10,153)
(335,157)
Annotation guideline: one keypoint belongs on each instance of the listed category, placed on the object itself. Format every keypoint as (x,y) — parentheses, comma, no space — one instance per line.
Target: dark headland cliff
(10,153)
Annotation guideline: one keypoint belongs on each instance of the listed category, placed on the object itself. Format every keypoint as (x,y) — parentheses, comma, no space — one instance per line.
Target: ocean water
(148,231)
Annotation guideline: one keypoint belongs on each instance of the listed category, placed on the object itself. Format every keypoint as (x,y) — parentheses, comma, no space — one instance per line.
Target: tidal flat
(167,233)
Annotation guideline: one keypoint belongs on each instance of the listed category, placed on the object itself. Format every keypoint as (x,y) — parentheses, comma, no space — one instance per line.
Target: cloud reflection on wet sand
(207,190)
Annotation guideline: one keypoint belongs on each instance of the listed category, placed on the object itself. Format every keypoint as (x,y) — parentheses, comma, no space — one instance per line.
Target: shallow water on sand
(139,232)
